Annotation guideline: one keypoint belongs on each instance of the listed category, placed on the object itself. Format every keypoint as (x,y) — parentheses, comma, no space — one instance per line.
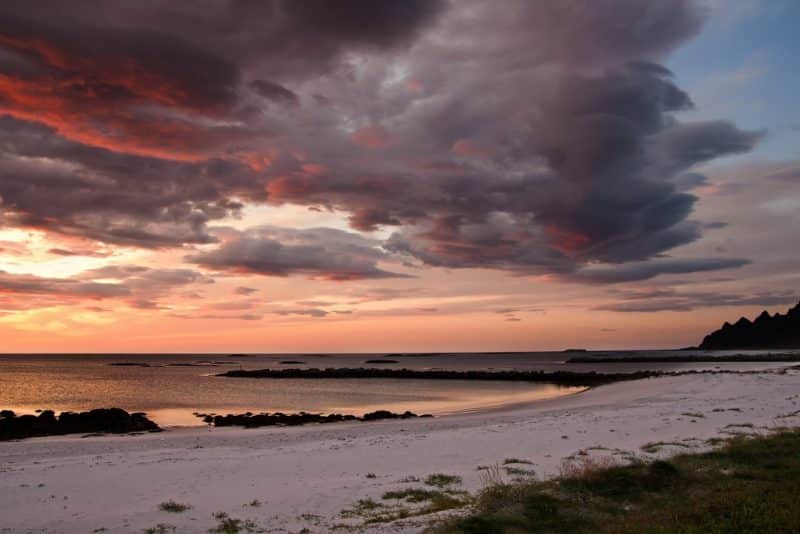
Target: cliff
(765,332)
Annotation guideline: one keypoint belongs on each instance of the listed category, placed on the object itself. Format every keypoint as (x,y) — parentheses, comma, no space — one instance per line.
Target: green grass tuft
(229,525)
(748,484)
(441,480)
(411,494)
(173,507)
(516,461)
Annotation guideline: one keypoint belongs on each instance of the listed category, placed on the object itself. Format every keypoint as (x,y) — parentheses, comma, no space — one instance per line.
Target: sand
(304,477)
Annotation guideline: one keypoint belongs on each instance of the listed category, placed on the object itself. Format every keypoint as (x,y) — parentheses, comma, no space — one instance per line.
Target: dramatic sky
(361,175)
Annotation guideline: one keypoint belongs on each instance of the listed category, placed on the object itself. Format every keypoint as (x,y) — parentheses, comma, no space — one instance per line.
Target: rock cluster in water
(564,378)
(766,332)
(113,420)
(690,358)
(251,420)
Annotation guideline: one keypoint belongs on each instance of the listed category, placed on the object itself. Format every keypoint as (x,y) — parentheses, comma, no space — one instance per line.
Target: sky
(402,175)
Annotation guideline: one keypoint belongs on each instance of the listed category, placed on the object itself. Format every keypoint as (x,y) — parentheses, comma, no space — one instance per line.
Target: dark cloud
(273,91)
(148,134)
(789,173)
(113,197)
(136,286)
(604,189)
(242,290)
(310,312)
(322,253)
(669,300)
(30,285)
(233,305)
(215,317)
(638,271)
(78,252)
(540,138)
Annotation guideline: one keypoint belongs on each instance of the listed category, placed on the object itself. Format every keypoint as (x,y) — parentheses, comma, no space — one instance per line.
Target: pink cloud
(372,137)
(471,149)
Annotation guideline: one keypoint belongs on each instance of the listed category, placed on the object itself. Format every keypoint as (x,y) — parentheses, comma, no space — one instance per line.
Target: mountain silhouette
(765,332)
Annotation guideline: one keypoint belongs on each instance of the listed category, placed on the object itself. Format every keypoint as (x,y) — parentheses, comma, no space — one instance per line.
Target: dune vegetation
(747,484)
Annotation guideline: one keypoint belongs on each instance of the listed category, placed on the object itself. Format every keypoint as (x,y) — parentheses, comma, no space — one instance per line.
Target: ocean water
(172,387)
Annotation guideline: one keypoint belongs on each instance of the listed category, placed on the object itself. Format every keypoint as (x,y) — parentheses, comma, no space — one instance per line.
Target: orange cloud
(116,103)
(414,85)
(565,241)
(469,148)
(372,137)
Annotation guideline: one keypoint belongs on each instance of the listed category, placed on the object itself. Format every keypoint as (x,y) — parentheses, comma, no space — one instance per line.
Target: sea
(173,388)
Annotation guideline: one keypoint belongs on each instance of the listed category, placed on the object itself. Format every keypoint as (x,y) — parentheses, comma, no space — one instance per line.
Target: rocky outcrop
(564,378)
(251,420)
(765,332)
(112,420)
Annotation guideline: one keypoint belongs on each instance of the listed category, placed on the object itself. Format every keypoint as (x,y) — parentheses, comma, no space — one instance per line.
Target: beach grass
(442,480)
(231,525)
(173,507)
(748,484)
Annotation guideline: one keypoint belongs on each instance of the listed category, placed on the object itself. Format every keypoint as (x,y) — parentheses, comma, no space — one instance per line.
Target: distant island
(765,332)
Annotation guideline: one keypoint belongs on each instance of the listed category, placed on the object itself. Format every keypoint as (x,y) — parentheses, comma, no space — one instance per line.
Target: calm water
(170,392)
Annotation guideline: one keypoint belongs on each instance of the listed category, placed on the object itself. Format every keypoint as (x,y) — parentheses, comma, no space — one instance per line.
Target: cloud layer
(539,138)
(318,252)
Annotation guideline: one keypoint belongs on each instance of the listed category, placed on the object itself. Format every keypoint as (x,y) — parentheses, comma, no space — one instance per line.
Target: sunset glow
(281,180)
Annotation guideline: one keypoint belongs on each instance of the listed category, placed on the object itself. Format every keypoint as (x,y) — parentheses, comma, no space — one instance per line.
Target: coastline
(305,476)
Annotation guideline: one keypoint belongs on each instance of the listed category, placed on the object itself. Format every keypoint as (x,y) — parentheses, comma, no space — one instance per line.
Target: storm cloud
(541,138)
(323,253)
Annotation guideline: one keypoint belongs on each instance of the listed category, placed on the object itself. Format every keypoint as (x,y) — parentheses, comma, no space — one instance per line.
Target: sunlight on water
(171,387)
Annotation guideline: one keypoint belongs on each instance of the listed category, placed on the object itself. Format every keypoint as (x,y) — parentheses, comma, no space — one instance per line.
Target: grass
(748,484)
(655,446)
(426,501)
(519,472)
(173,507)
(229,525)
(441,480)
(520,461)
(411,502)
(161,528)
(411,494)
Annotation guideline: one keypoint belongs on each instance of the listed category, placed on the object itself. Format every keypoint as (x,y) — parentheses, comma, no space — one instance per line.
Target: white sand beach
(304,477)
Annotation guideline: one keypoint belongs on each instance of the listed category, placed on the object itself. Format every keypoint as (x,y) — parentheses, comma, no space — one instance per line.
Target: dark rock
(250,420)
(381,361)
(766,332)
(564,378)
(385,414)
(113,420)
(689,358)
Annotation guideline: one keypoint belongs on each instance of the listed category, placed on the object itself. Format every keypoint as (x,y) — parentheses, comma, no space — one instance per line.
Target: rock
(564,378)
(766,332)
(250,420)
(113,420)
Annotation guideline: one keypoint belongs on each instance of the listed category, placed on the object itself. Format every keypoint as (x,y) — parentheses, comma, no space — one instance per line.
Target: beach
(290,479)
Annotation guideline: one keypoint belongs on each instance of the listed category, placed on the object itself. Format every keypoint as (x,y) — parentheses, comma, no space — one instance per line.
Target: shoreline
(498,407)
(306,476)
